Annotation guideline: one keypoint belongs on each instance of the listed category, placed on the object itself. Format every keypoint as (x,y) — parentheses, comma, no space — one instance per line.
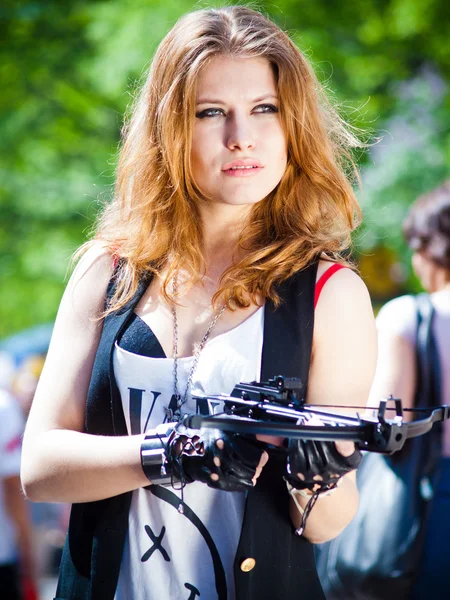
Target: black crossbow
(275,408)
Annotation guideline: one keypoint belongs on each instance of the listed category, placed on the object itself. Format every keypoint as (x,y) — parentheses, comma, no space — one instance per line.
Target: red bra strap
(323,279)
(115,258)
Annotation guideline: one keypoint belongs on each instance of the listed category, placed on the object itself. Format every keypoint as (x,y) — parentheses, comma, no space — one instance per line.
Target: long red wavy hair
(153,220)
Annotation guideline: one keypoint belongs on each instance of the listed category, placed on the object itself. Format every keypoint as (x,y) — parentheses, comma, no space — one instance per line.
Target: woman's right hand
(224,461)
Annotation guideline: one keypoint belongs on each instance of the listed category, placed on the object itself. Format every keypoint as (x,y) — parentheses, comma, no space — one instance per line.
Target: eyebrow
(254,101)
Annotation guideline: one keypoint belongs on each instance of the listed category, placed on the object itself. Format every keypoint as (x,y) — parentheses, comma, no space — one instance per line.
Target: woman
(427,231)
(230,188)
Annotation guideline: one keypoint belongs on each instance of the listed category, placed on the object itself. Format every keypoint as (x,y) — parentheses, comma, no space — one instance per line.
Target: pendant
(172,411)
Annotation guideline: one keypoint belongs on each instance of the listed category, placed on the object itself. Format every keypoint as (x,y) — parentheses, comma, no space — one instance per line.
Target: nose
(239,134)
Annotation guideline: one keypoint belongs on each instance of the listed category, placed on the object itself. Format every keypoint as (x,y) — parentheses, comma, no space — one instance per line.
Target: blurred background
(69,71)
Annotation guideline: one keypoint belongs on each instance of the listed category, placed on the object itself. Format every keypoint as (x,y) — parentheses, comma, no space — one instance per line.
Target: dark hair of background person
(427,226)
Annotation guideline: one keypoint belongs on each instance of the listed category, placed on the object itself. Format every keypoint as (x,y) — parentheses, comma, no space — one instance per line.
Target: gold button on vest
(248,564)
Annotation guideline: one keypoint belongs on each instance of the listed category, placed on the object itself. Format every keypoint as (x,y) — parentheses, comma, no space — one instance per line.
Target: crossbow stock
(275,408)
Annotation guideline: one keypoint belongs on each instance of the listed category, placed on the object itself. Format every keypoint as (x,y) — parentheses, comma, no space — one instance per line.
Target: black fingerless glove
(192,454)
(321,464)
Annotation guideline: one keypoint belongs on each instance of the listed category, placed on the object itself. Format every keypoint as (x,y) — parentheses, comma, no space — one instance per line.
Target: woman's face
(239,149)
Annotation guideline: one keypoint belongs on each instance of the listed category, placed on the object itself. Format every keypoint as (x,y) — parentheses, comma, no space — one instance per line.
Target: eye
(265,108)
(209,112)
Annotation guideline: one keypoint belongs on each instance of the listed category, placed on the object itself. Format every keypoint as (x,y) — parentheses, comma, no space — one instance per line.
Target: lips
(243,163)
(242,167)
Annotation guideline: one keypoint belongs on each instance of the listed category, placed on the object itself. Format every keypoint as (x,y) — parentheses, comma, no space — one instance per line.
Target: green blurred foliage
(69,71)
(412,158)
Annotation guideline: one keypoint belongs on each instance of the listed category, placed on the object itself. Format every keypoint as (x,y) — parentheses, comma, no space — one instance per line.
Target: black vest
(285,566)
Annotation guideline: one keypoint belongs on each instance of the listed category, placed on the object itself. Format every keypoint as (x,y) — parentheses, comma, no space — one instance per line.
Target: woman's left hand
(318,466)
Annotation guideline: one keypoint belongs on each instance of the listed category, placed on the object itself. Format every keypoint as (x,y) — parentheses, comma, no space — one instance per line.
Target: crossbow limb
(274,408)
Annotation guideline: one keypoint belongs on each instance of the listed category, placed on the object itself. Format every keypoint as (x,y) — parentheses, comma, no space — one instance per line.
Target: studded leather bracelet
(155,465)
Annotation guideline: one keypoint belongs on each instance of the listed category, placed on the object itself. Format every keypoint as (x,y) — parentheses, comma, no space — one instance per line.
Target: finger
(345,448)
(262,461)
(258,472)
(216,460)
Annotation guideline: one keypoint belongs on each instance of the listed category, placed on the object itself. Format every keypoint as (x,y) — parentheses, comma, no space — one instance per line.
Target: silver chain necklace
(173,411)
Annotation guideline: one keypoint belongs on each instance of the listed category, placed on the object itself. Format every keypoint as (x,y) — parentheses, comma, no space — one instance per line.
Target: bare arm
(396,371)
(342,369)
(60,463)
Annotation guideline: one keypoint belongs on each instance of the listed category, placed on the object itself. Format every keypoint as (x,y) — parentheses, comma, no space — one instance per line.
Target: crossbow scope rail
(276,408)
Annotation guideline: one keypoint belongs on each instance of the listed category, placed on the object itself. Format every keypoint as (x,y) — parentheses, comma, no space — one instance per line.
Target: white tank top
(168,555)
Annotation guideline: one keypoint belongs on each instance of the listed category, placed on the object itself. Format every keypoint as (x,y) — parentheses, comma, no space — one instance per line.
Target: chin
(241,201)
(247,197)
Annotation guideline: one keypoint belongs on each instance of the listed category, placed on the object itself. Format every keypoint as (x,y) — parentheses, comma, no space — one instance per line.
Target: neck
(222,226)
(441,280)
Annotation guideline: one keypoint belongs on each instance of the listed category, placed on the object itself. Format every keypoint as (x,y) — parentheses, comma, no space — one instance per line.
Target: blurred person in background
(427,231)
(230,193)
(50,520)
(25,380)
(17,560)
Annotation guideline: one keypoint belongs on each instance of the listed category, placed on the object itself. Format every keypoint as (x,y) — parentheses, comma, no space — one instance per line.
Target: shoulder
(83,301)
(90,277)
(343,317)
(96,261)
(343,288)
(397,307)
(398,317)
(344,341)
